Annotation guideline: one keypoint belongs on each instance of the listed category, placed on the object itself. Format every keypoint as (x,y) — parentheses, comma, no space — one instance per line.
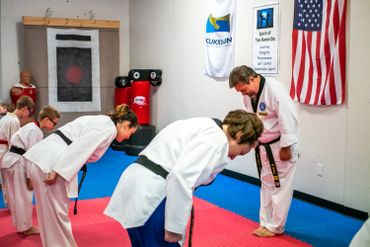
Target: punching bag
(140,101)
(122,92)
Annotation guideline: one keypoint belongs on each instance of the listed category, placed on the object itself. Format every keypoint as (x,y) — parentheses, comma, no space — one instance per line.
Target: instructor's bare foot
(258,230)
(266,233)
(32,231)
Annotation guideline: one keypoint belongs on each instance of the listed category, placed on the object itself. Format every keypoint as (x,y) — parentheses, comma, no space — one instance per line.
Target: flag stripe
(319,52)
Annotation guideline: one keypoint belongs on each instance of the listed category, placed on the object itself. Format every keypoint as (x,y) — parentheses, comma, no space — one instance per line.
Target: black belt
(83,169)
(157,169)
(17,150)
(271,160)
(66,139)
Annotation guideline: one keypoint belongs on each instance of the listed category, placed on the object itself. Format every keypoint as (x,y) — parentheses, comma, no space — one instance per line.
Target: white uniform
(362,237)
(9,124)
(20,198)
(193,151)
(279,115)
(91,137)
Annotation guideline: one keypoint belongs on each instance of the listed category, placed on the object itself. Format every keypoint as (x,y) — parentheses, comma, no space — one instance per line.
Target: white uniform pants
(52,206)
(275,202)
(4,187)
(19,197)
(362,237)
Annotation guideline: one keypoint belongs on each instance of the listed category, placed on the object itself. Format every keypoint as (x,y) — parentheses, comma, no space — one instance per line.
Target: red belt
(5,142)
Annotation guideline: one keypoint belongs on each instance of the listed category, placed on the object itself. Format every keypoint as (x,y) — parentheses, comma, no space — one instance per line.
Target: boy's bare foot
(32,231)
(266,233)
(258,230)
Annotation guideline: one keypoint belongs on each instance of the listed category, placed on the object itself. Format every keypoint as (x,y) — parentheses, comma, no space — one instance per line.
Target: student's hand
(285,153)
(172,237)
(51,177)
(29,184)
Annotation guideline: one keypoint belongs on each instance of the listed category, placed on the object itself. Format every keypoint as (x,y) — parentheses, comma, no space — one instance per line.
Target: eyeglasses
(54,123)
(30,110)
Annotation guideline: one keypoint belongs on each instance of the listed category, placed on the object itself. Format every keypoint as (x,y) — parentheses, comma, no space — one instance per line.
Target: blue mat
(315,225)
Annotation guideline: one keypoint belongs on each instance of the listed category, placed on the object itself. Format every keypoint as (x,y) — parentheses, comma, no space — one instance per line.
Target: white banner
(219,38)
(74,69)
(266,39)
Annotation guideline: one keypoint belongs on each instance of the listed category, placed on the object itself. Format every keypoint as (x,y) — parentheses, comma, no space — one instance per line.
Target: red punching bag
(140,101)
(122,96)
(122,91)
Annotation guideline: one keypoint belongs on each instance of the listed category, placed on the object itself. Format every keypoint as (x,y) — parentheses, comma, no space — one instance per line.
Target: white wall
(168,34)
(12,52)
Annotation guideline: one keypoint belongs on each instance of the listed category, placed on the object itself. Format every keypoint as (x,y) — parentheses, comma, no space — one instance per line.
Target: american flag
(319,52)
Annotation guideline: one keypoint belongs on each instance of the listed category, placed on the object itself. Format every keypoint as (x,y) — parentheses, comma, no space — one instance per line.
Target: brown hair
(244,127)
(49,112)
(9,107)
(241,74)
(123,113)
(25,101)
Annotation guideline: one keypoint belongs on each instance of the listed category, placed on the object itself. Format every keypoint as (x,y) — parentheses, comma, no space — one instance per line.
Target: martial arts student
(9,124)
(153,198)
(276,154)
(56,160)
(3,110)
(18,184)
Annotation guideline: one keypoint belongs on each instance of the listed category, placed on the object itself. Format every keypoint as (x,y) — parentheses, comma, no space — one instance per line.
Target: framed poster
(73,69)
(265,57)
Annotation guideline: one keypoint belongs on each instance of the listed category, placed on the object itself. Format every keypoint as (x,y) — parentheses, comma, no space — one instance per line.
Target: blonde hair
(49,112)
(123,113)
(244,127)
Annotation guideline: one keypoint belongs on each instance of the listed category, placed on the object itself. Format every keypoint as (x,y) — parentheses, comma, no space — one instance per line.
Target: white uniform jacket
(24,138)
(90,136)
(193,151)
(9,124)
(277,112)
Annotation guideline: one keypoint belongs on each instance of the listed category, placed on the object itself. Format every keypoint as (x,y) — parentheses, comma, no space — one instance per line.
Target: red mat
(213,227)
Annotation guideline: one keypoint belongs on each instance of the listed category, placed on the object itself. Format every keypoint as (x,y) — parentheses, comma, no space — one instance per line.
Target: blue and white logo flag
(219,38)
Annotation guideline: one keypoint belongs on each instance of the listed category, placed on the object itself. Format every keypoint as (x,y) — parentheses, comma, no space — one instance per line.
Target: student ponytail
(123,113)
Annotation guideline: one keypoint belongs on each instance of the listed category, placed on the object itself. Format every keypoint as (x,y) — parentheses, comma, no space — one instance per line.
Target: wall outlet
(319,169)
